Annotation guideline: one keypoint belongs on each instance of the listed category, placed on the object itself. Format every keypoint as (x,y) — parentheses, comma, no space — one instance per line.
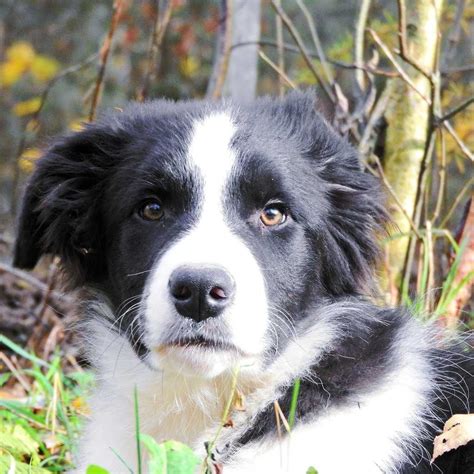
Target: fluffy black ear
(347,243)
(60,212)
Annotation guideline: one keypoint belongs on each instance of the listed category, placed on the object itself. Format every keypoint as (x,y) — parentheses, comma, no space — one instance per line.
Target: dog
(224,254)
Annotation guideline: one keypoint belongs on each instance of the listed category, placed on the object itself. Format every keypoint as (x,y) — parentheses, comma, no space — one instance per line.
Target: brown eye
(273,214)
(151,211)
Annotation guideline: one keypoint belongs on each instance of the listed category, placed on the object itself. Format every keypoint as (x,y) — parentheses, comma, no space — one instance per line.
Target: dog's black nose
(200,293)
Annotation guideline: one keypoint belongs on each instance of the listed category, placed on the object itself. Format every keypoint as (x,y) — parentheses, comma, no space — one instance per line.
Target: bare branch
(223,50)
(35,117)
(463,147)
(33,281)
(297,38)
(458,70)
(159,29)
(397,66)
(359,42)
(280,50)
(340,64)
(402,38)
(395,197)
(456,202)
(104,55)
(281,73)
(442,178)
(456,110)
(317,42)
(375,116)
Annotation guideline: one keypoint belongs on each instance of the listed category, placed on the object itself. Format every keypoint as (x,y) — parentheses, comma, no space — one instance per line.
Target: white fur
(368,432)
(374,433)
(376,430)
(171,405)
(184,395)
(209,243)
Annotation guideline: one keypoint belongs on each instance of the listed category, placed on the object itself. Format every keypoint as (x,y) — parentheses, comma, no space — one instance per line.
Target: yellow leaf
(10,72)
(188,66)
(27,159)
(27,107)
(21,52)
(31,153)
(44,68)
(80,405)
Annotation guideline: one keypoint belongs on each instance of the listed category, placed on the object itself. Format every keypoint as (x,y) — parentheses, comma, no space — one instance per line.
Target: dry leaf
(52,443)
(239,401)
(458,431)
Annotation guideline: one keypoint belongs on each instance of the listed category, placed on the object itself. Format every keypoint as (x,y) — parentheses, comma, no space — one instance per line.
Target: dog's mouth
(200,342)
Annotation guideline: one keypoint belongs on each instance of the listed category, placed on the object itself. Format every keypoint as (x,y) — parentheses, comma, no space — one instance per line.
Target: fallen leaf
(458,431)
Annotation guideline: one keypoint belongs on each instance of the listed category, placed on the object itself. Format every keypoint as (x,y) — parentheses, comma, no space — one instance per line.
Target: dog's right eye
(151,210)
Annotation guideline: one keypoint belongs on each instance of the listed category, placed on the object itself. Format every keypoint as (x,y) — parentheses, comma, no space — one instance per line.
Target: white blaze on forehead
(210,148)
(210,242)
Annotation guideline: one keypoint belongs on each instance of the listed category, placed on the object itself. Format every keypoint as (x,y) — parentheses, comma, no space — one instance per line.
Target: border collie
(224,250)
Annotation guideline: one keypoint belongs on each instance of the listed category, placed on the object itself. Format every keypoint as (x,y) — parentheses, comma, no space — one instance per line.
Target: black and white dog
(224,244)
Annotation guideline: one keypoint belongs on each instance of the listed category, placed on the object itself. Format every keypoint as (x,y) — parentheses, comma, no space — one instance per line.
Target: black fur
(81,204)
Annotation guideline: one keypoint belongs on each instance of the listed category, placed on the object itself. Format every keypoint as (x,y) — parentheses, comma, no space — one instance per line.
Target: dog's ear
(356,217)
(60,212)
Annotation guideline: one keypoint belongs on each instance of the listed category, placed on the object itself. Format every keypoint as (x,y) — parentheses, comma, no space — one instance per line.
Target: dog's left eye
(273,214)
(151,210)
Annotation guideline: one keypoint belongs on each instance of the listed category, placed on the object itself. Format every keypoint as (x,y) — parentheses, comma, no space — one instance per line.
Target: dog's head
(210,228)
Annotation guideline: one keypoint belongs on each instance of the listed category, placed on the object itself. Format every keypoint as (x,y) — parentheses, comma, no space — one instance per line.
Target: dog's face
(211,229)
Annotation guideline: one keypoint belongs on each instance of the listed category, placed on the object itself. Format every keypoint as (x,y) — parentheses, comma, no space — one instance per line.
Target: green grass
(39,427)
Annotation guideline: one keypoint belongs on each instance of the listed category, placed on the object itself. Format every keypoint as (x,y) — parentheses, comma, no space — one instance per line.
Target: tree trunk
(408,118)
(241,83)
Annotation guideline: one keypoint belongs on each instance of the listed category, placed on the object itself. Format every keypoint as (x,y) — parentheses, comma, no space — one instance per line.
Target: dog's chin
(194,360)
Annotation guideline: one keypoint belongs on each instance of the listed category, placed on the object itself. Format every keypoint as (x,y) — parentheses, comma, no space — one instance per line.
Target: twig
(31,280)
(278,424)
(455,110)
(442,178)
(225,415)
(282,417)
(375,116)
(160,26)
(280,51)
(359,42)
(223,50)
(456,202)
(293,49)
(458,69)
(104,55)
(397,66)
(65,72)
(402,38)
(35,117)
(281,74)
(296,37)
(420,191)
(458,140)
(53,269)
(40,316)
(343,65)
(395,197)
(11,367)
(317,42)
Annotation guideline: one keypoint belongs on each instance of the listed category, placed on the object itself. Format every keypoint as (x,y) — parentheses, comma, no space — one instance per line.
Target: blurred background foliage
(50,54)
(51,60)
